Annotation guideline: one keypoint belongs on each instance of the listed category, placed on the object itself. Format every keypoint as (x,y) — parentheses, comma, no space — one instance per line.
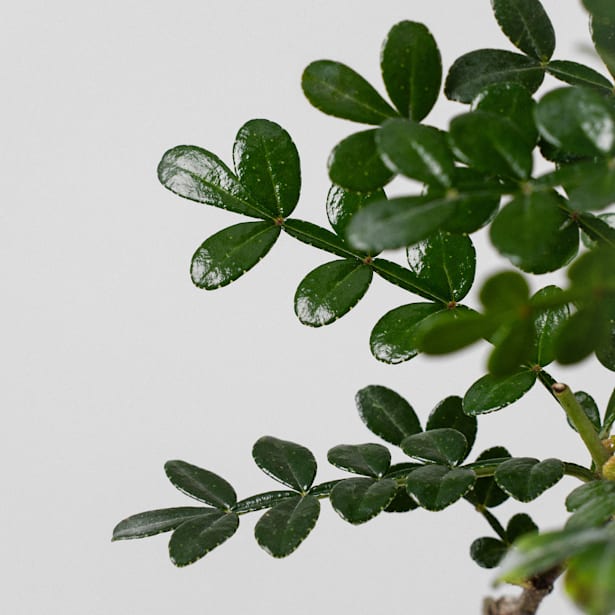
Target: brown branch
(536,589)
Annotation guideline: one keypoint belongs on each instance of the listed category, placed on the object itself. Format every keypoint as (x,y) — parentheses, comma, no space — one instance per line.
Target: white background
(113,362)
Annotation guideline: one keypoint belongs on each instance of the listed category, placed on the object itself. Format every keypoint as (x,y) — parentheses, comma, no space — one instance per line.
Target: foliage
(478,173)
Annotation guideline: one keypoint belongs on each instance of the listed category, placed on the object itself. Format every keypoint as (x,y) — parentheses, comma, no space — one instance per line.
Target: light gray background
(114,362)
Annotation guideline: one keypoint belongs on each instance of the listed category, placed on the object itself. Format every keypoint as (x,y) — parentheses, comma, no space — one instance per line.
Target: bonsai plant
(477,174)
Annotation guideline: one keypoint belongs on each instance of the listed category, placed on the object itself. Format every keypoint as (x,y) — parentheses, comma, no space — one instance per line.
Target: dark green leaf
(520,525)
(200,484)
(230,253)
(262,500)
(402,502)
(601,8)
(527,25)
(402,277)
(343,204)
(445,264)
(416,151)
(337,90)
(488,552)
(355,163)
(524,478)
(513,347)
(436,487)
(291,464)
(534,233)
(197,537)
(580,335)
(411,69)
(593,504)
(475,70)
(358,500)
(504,292)
(449,413)
(609,416)
(597,230)
(444,446)
(267,163)
(546,324)
(386,413)
(155,522)
(393,339)
(590,408)
(603,35)
(489,393)
(596,190)
(577,120)
(579,74)
(284,527)
(198,175)
(367,459)
(330,291)
(316,236)
(486,491)
(605,351)
(491,143)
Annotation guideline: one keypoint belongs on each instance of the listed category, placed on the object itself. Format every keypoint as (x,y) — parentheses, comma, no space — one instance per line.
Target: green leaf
(358,500)
(579,74)
(603,35)
(200,484)
(289,463)
(597,230)
(436,486)
(198,175)
(411,69)
(197,537)
(609,416)
(513,347)
(490,393)
(367,459)
(527,26)
(486,491)
(596,190)
(355,163)
(580,335)
(577,120)
(525,478)
(343,204)
(314,235)
(593,504)
(155,522)
(393,339)
(546,324)
(601,8)
(491,143)
(337,90)
(416,151)
(267,163)
(449,413)
(386,413)
(330,291)
(227,255)
(475,70)
(488,552)
(402,502)
(445,264)
(262,500)
(444,446)
(534,233)
(284,527)
(520,525)
(396,223)
(590,408)
(402,277)
(505,291)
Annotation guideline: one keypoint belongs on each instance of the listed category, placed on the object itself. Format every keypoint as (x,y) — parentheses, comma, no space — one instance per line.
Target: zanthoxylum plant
(478,173)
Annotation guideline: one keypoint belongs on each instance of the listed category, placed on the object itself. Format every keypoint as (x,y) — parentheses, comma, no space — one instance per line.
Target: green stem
(494,523)
(582,424)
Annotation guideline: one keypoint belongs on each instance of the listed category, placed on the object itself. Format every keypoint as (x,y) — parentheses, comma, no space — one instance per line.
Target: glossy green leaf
(197,537)
(609,416)
(386,413)
(592,504)
(597,230)
(577,120)
(546,324)
(336,89)
(490,393)
(393,339)
(436,486)
(285,526)
(525,478)
(343,204)
(289,463)
(513,347)
(580,335)
(486,491)
(445,264)
(227,255)
(314,235)
(488,552)
(402,277)
(401,502)
(367,459)
(527,26)
(505,291)
(444,446)
(579,74)
(358,500)
(449,413)
(201,484)
(330,291)
(396,223)
(411,69)
(416,151)
(601,8)
(267,163)
(155,522)
(590,408)
(534,233)
(262,500)
(474,71)
(519,525)
(597,189)
(198,175)
(491,143)
(603,35)
(355,163)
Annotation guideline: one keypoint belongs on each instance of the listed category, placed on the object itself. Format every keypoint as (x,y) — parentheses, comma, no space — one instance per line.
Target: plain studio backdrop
(114,362)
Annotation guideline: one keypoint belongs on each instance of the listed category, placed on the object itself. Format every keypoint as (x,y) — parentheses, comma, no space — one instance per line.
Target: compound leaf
(436,486)
(525,478)
(444,446)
